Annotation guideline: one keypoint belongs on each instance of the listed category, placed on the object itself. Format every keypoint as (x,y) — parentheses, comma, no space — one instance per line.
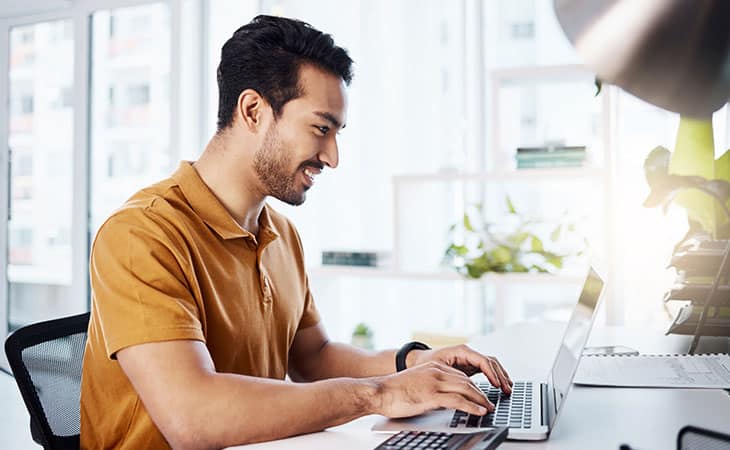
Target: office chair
(695,438)
(46,359)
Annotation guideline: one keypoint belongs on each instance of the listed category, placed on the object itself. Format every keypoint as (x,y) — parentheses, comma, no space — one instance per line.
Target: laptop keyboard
(513,411)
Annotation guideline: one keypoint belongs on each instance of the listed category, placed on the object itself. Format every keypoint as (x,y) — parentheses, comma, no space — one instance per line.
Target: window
(26,36)
(23,165)
(66,97)
(138,94)
(25,104)
(22,237)
(524,30)
(39,265)
(130,126)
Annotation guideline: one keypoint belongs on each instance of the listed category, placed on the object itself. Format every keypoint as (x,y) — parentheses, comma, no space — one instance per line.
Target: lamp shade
(674,54)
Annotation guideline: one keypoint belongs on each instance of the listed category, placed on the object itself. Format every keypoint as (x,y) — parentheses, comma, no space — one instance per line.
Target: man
(201,305)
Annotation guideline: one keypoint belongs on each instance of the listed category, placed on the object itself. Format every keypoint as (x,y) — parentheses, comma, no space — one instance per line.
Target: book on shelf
(355,258)
(550,157)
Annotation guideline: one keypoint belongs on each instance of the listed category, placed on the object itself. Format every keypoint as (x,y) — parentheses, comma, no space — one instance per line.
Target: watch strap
(400,357)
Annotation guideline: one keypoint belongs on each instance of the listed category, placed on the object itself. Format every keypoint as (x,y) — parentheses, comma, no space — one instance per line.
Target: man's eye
(323,129)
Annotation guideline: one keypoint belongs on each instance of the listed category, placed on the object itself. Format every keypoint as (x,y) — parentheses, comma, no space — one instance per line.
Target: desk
(595,418)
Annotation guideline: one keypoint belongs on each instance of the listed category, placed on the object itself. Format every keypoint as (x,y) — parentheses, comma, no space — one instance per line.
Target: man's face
(303,140)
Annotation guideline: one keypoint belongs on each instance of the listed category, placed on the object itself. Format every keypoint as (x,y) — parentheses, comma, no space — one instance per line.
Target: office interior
(104,97)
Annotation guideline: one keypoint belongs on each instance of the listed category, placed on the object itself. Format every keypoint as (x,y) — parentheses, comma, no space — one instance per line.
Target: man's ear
(250,109)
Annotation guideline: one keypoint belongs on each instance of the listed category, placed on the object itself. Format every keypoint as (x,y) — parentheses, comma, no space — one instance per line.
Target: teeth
(309,174)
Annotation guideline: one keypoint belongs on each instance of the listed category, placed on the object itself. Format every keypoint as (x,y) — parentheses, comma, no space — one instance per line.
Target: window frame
(80,13)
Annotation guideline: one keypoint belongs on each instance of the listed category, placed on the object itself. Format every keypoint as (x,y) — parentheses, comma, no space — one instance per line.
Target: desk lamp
(674,54)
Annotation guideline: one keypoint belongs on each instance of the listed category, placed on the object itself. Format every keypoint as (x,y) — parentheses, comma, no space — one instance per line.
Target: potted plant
(513,244)
(362,336)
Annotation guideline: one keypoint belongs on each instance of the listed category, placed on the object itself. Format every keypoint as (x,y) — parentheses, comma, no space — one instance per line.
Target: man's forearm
(342,360)
(232,409)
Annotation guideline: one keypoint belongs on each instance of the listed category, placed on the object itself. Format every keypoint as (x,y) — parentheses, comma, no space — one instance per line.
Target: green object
(694,154)
(599,84)
(692,178)
(361,329)
(362,336)
(478,247)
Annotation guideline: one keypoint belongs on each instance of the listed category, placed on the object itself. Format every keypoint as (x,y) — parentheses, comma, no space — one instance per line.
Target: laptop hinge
(544,411)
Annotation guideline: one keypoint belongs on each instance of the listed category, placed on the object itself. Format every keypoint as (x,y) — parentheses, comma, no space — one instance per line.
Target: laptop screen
(575,338)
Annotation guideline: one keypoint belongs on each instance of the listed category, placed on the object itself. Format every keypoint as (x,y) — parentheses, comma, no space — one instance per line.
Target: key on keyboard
(431,440)
(514,411)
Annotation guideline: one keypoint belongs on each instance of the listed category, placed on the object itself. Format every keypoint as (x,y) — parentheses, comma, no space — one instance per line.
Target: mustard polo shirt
(173,264)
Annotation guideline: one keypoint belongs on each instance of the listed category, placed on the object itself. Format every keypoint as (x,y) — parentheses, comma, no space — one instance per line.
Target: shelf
(376,272)
(543,73)
(589,173)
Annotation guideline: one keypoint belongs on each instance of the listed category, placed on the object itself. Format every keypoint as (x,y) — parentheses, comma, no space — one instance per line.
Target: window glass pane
(524,33)
(225,17)
(130,101)
(41,145)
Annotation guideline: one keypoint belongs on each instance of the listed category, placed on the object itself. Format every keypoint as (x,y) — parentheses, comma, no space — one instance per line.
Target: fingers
(456,401)
(504,372)
(464,386)
(503,382)
(490,367)
(447,368)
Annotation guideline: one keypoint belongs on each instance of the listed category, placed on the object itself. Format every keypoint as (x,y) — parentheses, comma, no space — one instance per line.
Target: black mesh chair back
(695,438)
(46,359)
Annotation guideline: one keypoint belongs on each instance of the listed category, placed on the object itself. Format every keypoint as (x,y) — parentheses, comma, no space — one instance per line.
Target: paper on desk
(665,371)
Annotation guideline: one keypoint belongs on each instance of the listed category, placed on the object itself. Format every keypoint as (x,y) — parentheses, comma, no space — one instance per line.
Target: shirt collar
(212,211)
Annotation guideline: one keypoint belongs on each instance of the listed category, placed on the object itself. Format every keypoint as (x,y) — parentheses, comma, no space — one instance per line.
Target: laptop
(534,406)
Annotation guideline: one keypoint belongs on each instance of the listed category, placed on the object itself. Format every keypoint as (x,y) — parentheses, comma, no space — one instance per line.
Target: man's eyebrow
(331,119)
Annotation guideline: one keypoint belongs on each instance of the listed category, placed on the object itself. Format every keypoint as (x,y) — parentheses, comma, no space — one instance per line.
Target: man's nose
(330,155)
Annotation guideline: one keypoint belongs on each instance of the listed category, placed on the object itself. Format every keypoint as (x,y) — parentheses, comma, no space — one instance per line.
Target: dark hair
(265,55)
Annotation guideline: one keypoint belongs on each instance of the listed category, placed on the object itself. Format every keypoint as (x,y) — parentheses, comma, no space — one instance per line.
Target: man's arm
(195,407)
(313,357)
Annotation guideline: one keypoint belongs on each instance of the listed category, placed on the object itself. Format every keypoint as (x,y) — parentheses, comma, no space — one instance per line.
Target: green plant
(692,178)
(512,245)
(362,336)
(362,329)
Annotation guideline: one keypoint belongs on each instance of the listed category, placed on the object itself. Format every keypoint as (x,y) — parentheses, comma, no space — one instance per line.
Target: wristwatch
(400,357)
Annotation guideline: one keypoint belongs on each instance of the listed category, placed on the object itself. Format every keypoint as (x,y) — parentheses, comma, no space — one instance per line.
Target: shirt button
(267,289)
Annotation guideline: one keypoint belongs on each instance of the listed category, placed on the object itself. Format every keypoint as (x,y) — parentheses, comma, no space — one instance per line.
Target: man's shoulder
(159,207)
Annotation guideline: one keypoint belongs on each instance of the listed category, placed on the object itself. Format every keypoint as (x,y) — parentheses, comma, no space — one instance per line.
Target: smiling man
(201,304)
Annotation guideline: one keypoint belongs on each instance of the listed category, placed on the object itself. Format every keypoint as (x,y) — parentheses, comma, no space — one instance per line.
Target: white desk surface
(594,417)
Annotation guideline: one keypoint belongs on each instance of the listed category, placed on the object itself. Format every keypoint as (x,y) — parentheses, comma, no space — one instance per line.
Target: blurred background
(454,104)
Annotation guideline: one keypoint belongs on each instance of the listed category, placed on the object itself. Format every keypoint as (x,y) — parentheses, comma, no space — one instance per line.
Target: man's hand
(426,387)
(466,360)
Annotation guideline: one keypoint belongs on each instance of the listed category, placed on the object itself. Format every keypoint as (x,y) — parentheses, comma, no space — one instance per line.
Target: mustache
(316,165)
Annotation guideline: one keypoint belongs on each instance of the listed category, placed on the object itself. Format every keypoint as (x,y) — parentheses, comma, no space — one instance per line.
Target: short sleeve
(140,292)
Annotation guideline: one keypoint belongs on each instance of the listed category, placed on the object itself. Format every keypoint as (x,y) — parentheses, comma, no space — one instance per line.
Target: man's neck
(231,179)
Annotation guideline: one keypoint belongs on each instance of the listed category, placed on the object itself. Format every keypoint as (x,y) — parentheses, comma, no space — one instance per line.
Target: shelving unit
(495,171)
(498,278)
(502,175)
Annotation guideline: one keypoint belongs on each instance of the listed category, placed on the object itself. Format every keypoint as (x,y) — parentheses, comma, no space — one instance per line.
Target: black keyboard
(512,411)
(431,440)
